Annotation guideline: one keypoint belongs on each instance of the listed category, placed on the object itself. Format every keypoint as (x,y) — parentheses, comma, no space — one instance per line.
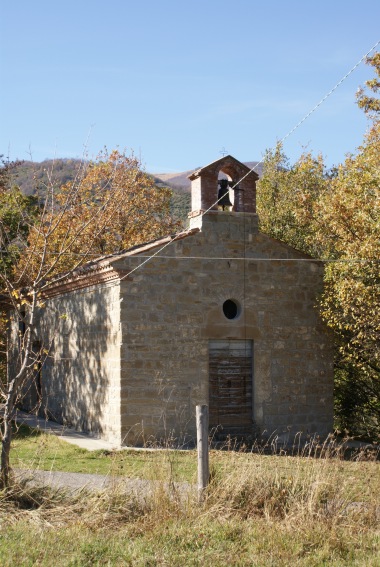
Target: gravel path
(76,482)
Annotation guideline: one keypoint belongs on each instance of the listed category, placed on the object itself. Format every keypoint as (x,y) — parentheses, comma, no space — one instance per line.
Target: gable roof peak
(218,164)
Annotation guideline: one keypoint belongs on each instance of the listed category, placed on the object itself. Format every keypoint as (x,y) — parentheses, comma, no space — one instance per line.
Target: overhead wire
(242,258)
(298,123)
(254,259)
(261,161)
(156,254)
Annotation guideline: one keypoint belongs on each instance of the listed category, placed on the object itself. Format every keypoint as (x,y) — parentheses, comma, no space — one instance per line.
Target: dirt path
(76,482)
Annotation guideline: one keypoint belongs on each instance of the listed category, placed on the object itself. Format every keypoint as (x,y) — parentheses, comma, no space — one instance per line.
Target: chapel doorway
(231,387)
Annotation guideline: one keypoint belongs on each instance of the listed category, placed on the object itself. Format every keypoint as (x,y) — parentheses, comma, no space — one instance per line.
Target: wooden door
(230,393)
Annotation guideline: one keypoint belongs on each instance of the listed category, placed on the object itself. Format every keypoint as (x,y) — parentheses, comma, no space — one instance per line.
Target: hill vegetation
(32,178)
(180,181)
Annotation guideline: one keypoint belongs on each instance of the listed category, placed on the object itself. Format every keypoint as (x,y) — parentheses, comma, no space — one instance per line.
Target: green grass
(32,449)
(35,450)
(183,541)
(258,511)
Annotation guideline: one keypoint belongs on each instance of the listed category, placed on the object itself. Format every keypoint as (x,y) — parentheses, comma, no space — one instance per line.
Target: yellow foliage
(351,213)
(110,206)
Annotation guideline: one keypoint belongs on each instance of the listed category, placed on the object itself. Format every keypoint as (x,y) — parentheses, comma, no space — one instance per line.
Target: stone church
(219,314)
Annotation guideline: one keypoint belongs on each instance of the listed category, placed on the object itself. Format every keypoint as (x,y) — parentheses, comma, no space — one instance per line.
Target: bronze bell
(223,194)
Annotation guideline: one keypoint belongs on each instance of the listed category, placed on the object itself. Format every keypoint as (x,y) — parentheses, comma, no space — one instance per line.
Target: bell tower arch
(225,184)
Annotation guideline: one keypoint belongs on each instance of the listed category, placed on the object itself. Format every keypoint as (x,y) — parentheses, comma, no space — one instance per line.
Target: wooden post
(202,444)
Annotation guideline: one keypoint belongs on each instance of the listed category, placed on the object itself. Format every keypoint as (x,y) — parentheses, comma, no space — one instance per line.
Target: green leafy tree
(287,198)
(369,102)
(351,301)
(336,216)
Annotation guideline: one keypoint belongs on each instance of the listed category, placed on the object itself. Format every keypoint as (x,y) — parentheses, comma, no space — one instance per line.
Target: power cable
(157,253)
(261,161)
(306,115)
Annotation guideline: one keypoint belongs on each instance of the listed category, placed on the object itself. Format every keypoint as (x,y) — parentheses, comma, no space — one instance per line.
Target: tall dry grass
(308,507)
(313,483)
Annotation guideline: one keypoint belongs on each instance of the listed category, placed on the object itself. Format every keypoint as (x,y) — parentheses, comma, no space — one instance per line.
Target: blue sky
(176,81)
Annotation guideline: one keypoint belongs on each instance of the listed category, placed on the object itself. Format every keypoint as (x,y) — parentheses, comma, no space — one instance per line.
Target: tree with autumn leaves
(335,216)
(110,205)
(350,304)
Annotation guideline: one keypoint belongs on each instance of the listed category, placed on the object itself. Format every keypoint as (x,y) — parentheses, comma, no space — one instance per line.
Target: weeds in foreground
(252,516)
(314,508)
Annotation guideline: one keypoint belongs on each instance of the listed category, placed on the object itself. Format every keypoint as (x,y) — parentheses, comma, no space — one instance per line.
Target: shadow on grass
(24,431)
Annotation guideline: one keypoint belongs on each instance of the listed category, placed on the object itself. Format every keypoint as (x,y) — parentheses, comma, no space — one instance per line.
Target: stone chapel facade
(221,314)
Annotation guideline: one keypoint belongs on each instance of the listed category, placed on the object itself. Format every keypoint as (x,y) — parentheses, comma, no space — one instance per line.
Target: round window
(231,309)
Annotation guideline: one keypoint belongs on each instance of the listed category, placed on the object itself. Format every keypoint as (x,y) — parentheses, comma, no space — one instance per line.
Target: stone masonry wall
(172,307)
(81,376)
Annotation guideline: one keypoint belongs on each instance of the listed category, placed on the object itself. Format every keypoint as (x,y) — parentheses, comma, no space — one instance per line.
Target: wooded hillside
(34,177)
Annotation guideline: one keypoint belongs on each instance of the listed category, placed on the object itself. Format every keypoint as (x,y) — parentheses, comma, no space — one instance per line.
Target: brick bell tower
(226,179)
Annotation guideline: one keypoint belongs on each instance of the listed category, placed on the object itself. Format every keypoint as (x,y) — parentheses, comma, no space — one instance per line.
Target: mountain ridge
(29,175)
(181,182)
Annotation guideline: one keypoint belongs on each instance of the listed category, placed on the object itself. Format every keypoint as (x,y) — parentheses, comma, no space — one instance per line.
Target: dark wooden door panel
(230,394)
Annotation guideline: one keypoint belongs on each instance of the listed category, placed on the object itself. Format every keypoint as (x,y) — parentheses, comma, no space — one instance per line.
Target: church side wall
(173,307)
(80,378)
